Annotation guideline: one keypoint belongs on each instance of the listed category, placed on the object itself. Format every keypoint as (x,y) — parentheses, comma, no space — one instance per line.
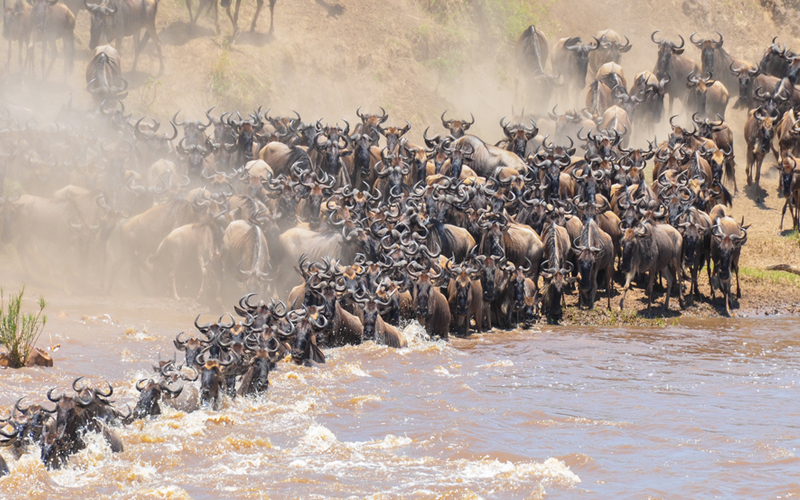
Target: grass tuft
(19,331)
(777,277)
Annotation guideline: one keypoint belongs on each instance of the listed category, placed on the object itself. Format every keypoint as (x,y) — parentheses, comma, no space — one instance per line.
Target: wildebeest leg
(749,167)
(192,19)
(259,5)
(234,17)
(759,161)
(271,15)
(609,283)
(137,48)
(783,212)
(69,53)
(151,32)
(216,16)
(54,55)
(671,103)
(651,278)
(628,279)
(174,284)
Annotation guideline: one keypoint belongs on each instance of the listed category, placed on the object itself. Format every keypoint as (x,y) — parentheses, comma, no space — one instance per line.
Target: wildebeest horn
(653,37)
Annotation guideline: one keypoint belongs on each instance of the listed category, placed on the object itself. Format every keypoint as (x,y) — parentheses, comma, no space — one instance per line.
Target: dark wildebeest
(651,91)
(727,239)
(750,79)
(706,97)
(16,27)
(595,253)
(532,52)
(653,249)
(671,62)
(114,20)
(790,182)
(50,21)
(571,60)
(610,50)
(758,134)
(103,75)
(716,61)
(458,128)
(235,17)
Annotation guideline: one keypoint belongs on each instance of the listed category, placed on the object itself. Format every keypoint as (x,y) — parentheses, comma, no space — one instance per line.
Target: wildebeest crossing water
(701,410)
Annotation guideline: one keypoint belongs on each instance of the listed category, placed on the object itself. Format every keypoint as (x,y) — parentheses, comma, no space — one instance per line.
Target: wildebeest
(652,248)
(114,20)
(610,50)
(532,52)
(104,75)
(259,4)
(715,60)
(571,60)
(50,21)
(457,128)
(706,97)
(16,27)
(594,253)
(673,64)
(727,239)
(650,90)
(758,134)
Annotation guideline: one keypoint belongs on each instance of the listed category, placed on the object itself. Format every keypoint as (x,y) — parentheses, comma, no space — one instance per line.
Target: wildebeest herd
(44,22)
(457,233)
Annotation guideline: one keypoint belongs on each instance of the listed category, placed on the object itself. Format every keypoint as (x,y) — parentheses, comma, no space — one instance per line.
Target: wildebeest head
(14,21)
(361,151)
(38,15)
(150,393)
(303,325)
(727,242)
(580,52)
(614,48)
(423,291)
(211,381)
(519,135)
(518,288)
(332,151)
(191,347)
(393,169)
(393,135)
(587,251)
(371,311)
(457,128)
(666,50)
(555,279)
(370,122)
(776,59)
(698,88)
(103,22)
(788,170)
(766,130)
(707,50)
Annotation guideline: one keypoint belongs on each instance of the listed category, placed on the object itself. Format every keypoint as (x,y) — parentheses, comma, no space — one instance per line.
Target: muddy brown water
(707,409)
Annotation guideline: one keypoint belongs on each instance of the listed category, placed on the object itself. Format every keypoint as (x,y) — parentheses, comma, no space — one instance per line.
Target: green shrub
(19,331)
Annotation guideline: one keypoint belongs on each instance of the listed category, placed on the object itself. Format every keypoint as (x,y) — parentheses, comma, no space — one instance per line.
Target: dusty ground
(416,58)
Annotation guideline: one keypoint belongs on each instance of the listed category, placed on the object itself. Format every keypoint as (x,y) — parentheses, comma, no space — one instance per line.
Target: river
(704,409)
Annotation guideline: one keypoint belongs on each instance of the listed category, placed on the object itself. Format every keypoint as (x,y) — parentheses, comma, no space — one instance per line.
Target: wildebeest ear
(316,355)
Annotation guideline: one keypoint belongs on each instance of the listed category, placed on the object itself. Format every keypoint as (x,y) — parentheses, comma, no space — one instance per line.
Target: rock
(38,357)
